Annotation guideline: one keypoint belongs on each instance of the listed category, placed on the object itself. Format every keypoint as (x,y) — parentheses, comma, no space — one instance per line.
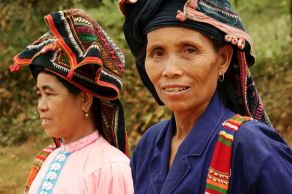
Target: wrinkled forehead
(47,81)
(175,33)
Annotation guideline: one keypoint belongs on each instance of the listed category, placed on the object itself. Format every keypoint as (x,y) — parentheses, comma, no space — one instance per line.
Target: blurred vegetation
(21,24)
(268,22)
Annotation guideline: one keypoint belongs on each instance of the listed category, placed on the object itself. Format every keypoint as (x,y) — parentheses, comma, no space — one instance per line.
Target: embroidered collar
(80,143)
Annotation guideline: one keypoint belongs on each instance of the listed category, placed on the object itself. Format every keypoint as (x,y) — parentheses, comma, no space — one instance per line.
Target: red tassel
(14,68)
(57,142)
(243,78)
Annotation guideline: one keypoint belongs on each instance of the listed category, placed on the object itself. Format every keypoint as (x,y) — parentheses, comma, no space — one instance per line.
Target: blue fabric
(261,164)
(55,169)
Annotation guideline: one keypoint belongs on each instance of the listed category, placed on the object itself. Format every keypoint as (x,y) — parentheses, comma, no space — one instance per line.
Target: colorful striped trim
(220,169)
(36,165)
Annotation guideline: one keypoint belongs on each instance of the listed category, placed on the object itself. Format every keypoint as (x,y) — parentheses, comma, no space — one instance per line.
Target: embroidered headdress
(77,49)
(214,18)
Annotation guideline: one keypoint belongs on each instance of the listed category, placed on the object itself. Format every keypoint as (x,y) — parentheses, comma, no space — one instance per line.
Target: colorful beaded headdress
(214,18)
(77,49)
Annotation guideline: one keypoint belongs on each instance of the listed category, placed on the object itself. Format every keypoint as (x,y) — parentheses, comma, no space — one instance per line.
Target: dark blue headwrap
(213,18)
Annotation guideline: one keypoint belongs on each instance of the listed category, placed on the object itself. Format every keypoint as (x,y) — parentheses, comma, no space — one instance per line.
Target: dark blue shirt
(261,160)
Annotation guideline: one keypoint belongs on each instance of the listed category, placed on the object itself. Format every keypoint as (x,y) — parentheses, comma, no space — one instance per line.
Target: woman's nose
(172,67)
(42,104)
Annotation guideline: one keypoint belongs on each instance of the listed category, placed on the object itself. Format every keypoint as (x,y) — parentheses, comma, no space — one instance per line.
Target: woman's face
(184,67)
(60,111)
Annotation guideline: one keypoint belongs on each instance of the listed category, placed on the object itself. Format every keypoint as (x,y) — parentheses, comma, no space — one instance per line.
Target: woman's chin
(51,133)
(175,107)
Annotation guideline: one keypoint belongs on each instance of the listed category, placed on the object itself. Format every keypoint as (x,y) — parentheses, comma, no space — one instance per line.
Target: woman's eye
(48,94)
(189,49)
(157,53)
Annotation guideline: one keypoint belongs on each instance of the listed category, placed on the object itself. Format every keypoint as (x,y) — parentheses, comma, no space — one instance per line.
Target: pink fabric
(94,167)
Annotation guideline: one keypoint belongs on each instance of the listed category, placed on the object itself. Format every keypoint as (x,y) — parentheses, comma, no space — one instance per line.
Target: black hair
(217,44)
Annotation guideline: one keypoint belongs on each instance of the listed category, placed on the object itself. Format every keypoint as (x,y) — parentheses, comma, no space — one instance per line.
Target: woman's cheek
(150,70)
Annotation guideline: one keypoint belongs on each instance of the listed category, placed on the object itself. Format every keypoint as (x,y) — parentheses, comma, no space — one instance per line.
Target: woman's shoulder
(260,149)
(109,170)
(109,153)
(257,138)
(102,155)
(255,131)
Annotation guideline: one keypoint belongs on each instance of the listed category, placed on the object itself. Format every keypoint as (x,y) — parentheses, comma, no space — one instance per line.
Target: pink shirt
(92,167)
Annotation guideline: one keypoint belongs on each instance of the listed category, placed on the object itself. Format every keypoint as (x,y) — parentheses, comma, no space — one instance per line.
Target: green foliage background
(21,22)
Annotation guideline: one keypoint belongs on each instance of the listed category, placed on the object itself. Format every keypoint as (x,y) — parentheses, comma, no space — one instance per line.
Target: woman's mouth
(45,121)
(174,89)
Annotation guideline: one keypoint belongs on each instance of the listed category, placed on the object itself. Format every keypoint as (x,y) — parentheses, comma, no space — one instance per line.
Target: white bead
(51,175)
(61,157)
(56,166)
(47,186)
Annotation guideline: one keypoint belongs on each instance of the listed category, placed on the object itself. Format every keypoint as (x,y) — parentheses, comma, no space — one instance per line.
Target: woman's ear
(87,100)
(225,54)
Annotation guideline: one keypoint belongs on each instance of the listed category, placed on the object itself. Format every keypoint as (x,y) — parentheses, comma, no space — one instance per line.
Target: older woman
(78,70)
(193,56)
